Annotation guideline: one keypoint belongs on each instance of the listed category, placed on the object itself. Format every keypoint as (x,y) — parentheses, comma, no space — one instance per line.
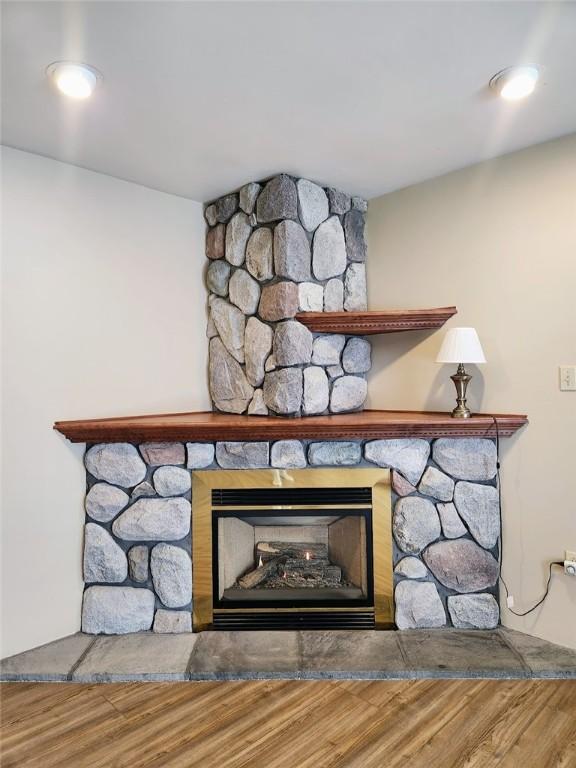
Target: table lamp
(461,345)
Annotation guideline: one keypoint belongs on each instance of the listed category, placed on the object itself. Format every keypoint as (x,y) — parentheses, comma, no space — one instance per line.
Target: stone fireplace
(276,249)
(200,529)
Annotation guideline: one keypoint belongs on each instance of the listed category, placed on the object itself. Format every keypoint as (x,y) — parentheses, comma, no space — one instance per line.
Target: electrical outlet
(568,378)
(570,563)
(510,601)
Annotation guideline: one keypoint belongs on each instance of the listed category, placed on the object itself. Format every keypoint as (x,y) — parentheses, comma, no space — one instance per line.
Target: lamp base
(461,380)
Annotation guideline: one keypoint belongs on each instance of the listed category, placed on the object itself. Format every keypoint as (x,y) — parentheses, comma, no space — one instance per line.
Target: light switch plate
(568,378)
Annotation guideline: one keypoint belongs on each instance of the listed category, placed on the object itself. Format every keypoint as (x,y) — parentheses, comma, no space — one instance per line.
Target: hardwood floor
(291,724)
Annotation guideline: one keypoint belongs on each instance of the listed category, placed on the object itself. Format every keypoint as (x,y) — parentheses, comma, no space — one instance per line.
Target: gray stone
(230,324)
(437,484)
(172,481)
(242,455)
(312,204)
(215,242)
(462,565)
(248,195)
(257,405)
(291,251)
(278,301)
(171,569)
(158,454)
(334,295)
(339,201)
(310,297)
(217,277)
(154,519)
(229,386)
(316,392)
(104,560)
(340,654)
(103,502)
(478,505)
(283,390)
(400,485)
(468,458)
(411,568)
(200,455)
(259,254)
(226,207)
(459,653)
(348,394)
(143,489)
(338,454)
(407,455)
(257,346)
(288,454)
(238,230)
(418,605)
(357,356)
(542,658)
(355,298)
(138,563)
(278,200)
(116,463)
(354,234)
(329,249)
(360,204)
(172,622)
(415,524)
(292,344)
(144,657)
(452,525)
(334,371)
(270,364)
(51,662)
(249,655)
(244,292)
(211,215)
(473,611)
(327,349)
(117,610)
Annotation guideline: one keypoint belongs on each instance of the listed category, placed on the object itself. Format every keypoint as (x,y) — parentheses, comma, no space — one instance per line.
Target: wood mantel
(374,322)
(206,426)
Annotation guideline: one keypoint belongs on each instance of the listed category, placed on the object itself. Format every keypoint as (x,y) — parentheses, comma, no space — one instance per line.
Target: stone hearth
(274,249)
(137,564)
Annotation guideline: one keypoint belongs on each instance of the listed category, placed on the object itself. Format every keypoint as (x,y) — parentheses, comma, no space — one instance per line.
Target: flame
(307,555)
(260,563)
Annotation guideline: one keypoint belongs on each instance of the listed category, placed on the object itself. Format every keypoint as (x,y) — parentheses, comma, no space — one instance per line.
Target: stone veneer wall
(446,525)
(275,249)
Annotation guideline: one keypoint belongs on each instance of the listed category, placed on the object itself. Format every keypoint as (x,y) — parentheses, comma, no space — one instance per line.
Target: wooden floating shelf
(364,425)
(377,321)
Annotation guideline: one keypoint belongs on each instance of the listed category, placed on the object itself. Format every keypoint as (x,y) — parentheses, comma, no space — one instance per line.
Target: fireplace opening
(292,548)
(298,558)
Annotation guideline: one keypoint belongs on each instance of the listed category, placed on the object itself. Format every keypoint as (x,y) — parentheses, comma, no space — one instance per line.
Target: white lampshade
(461,345)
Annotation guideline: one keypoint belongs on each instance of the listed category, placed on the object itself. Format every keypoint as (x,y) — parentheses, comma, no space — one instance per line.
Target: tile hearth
(415,654)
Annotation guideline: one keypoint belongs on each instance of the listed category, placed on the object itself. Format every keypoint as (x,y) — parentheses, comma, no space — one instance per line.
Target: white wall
(102,315)
(499,241)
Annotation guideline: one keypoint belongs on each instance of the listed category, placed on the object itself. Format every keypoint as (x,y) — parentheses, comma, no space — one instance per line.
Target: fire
(307,555)
(260,562)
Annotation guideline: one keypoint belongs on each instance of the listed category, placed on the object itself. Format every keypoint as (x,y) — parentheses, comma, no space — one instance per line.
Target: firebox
(286,549)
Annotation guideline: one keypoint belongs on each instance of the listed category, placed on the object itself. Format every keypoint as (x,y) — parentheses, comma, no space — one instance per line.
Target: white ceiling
(200,97)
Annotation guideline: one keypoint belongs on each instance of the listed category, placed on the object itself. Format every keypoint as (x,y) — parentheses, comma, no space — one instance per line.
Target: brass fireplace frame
(205,481)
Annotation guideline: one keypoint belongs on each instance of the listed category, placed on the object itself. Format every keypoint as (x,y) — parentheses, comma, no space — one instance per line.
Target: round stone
(468,458)
(479,507)
(217,277)
(244,292)
(171,569)
(312,204)
(357,354)
(288,454)
(259,254)
(329,249)
(473,611)
(154,519)
(411,568)
(291,251)
(238,231)
(316,392)
(172,481)
(104,560)
(292,344)
(415,524)
(104,502)
(348,394)
(117,610)
(355,296)
(282,390)
(116,463)
(462,565)
(418,605)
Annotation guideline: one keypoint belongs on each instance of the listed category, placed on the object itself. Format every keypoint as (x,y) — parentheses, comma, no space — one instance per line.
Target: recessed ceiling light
(515,83)
(74,80)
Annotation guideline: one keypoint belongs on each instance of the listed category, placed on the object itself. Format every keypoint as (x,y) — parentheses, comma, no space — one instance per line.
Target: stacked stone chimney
(275,249)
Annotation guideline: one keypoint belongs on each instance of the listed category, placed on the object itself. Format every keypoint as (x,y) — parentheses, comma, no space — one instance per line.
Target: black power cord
(501,547)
